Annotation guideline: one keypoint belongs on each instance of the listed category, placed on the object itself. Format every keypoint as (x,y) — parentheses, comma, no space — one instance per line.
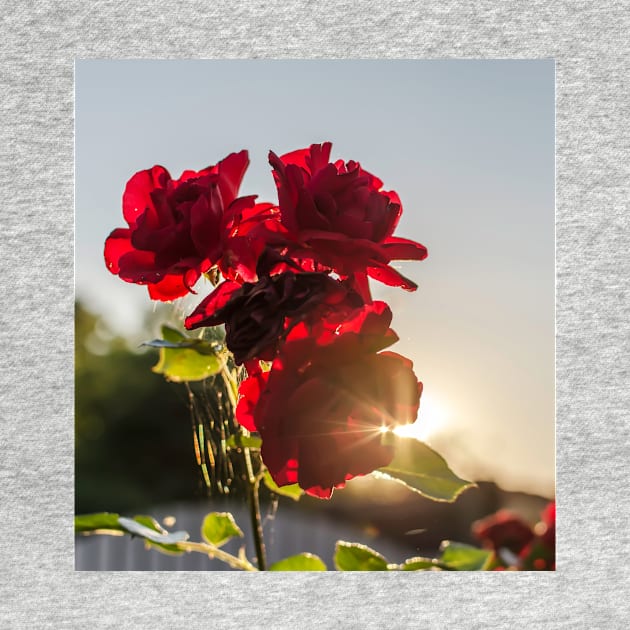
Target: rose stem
(253,481)
(254,512)
(253,500)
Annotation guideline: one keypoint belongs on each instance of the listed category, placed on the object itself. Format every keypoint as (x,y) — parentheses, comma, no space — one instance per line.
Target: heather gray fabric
(39,587)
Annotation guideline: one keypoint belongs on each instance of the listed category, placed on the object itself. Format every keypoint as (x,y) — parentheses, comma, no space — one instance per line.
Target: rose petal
(404,249)
(117,244)
(170,288)
(231,172)
(208,311)
(389,276)
(137,196)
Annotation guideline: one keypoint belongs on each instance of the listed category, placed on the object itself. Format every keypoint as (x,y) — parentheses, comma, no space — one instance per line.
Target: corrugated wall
(288,532)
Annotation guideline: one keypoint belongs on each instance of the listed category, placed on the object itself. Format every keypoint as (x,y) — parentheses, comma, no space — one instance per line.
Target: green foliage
(142,526)
(133,443)
(455,557)
(244,441)
(293,491)
(185,359)
(101,522)
(357,557)
(154,534)
(421,469)
(301,562)
(416,564)
(160,539)
(460,557)
(219,527)
(198,345)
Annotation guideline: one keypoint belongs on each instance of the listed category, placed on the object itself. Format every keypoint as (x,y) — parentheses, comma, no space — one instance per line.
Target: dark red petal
(319,492)
(312,159)
(358,281)
(137,196)
(310,218)
(319,156)
(205,225)
(548,515)
(139,267)
(389,276)
(404,249)
(240,256)
(118,244)
(204,314)
(395,201)
(374,183)
(401,389)
(297,158)
(256,214)
(249,392)
(186,175)
(231,171)
(372,319)
(170,288)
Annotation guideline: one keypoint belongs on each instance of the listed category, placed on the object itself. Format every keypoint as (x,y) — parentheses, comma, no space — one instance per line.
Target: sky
(468,146)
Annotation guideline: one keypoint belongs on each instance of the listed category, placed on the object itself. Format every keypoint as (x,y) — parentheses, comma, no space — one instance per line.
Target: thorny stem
(253,482)
(219,554)
(254,512)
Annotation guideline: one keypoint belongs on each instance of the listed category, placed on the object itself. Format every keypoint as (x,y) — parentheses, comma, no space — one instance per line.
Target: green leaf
(186,359)
(421,469)
(245,441)
(170,548)
(97,523)
(198,345)
(301,562)
(154,534)
(419,564)
(218,527)
(150,522)
(460,557)
(293,491)
(144,526)
(357,557)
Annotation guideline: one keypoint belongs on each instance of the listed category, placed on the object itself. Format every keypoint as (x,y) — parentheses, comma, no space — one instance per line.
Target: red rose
(336,215)
(179,229)
(255,314)
(503,530)
(540,554)
(321,408)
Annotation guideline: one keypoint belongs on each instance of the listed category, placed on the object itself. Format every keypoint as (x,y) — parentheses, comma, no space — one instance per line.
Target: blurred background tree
(133,436)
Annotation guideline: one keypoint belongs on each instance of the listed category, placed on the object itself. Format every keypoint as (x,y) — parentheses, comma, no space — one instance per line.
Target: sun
(432,418)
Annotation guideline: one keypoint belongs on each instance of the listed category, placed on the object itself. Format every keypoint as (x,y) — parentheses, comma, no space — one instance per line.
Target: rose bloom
(503,530)
(321,408)
(336,216)
(256,314)
(179,229)
(540,554)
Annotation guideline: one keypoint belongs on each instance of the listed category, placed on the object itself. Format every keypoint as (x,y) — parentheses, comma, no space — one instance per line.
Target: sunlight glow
(432,418)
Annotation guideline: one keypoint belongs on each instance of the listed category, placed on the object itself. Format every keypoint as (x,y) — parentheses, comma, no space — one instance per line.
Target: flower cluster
(518,545)
(295,294)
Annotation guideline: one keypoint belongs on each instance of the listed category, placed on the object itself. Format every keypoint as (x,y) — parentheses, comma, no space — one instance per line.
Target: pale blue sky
(468,146)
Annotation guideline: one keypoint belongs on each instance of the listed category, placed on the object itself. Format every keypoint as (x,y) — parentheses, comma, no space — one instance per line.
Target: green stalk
(253,481)
(219,554)
(254,512)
